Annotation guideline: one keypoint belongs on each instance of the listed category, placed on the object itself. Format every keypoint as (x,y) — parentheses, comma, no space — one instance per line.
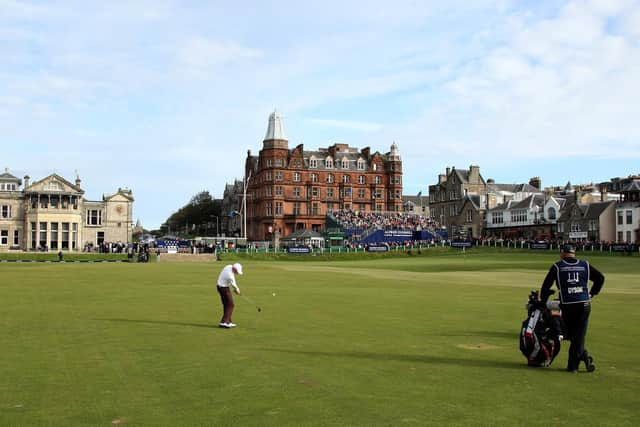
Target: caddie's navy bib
(573,281)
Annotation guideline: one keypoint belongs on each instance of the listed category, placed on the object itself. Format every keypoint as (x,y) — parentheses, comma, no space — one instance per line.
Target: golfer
(572,277)
(226,279)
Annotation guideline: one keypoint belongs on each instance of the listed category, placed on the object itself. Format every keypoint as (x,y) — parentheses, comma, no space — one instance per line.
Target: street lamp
(217,225)
(244,203)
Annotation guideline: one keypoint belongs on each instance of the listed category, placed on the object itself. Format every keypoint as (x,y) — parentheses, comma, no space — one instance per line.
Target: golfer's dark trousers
(576,318)
(227,303)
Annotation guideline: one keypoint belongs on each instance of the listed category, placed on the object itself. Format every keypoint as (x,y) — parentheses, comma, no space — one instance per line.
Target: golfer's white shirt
(227,278)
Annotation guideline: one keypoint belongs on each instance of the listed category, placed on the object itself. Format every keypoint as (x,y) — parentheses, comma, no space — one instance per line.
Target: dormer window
(313,163)
(345,163)
(328,163)
(361,164)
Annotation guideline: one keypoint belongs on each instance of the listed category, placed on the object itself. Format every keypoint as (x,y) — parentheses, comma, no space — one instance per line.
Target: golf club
(251,301)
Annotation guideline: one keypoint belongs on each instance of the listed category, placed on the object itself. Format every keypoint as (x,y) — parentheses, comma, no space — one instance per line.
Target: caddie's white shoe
(224,325)
(231,325)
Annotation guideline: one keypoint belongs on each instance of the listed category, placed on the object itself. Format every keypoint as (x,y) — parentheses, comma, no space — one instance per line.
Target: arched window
(361,164)
(345,163)
(328,163)
(551,213)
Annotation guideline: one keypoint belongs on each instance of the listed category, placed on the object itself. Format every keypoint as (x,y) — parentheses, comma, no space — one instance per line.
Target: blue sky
(166,97)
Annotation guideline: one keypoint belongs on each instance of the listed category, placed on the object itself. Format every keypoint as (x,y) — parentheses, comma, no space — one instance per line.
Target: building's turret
(275,136)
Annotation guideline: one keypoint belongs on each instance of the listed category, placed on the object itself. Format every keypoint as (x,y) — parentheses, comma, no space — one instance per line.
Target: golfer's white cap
(238,268)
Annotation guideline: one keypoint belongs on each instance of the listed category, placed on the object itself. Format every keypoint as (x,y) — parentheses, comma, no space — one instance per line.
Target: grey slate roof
(594,210)
(6,176)
(513,188)
(632,186)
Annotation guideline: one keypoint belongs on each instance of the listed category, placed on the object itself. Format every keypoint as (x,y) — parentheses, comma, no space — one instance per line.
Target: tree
(195,218)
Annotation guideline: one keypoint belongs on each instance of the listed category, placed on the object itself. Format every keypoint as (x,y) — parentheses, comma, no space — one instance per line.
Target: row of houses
(468,206)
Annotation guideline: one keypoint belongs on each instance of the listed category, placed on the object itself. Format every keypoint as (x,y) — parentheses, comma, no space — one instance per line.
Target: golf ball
(274,294)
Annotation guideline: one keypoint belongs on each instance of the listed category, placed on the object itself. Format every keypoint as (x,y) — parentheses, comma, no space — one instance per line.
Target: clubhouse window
(94,217)
(4,237)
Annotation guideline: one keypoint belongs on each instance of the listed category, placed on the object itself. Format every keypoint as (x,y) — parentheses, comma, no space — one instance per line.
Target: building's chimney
(26,181)
(78,181)
(474,174)
(603,192)
(448,171)
(536,182)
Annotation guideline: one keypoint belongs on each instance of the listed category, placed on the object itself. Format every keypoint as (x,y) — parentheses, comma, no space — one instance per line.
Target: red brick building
(293,189)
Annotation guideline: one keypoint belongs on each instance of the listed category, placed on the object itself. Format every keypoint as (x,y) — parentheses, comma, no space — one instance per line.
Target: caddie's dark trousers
(576,317)
(227,304)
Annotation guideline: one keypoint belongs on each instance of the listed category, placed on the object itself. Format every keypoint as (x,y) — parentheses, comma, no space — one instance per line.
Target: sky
(166,97)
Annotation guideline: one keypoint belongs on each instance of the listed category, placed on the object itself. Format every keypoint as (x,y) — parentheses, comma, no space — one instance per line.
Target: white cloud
(347,124)
(201,52)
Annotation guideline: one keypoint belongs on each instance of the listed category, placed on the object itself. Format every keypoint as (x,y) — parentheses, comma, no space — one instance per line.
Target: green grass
(389,341)
(53,256)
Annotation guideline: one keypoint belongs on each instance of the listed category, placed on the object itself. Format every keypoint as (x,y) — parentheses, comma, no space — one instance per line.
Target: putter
(251,301)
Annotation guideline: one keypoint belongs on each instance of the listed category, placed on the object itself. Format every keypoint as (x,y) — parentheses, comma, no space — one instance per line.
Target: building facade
(52,214)
(449,194)
(587,222)
(293,189)
(628,214)
(461,197)
(230,221)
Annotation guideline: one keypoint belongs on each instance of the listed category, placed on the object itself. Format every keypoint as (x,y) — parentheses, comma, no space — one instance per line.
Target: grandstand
(389,227)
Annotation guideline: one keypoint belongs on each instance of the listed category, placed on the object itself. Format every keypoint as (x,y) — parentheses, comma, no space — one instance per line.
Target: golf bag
(541,332)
